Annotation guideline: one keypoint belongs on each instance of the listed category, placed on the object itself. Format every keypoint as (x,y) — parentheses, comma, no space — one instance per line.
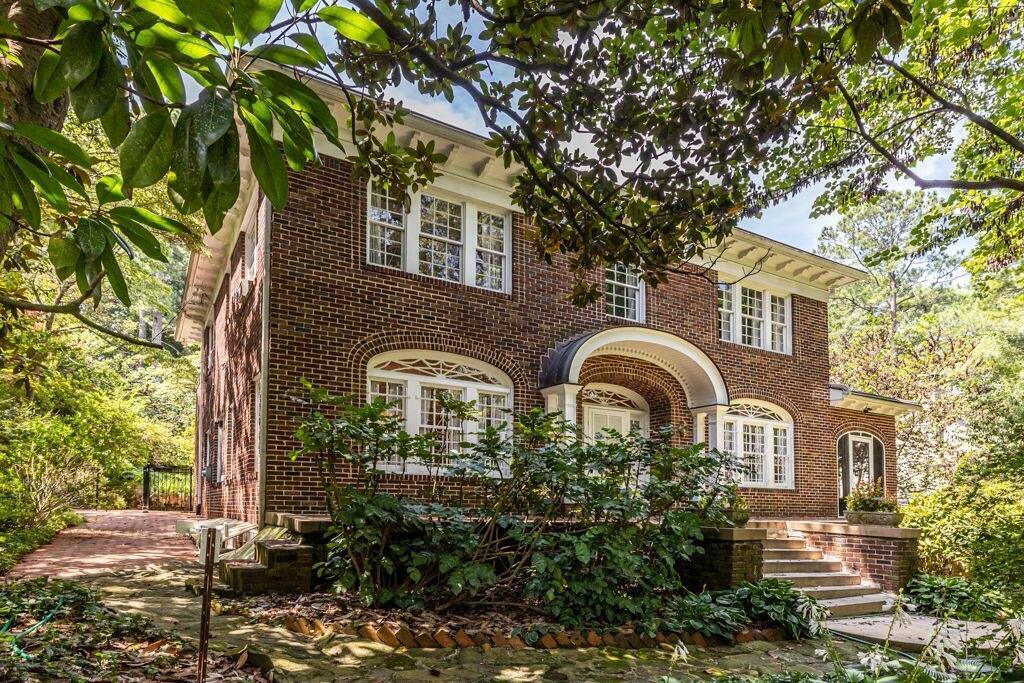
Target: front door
(856,465)
(599,420)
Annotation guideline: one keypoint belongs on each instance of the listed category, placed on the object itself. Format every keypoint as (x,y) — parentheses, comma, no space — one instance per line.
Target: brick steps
(280,566)
(844,593)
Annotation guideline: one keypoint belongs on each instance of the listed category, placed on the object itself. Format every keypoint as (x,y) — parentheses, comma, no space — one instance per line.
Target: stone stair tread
(856,605)
(785,576)
(861,589)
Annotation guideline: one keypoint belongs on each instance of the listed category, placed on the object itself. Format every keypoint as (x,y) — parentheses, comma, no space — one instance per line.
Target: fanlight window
(413,383)
(761,436)
(609,397)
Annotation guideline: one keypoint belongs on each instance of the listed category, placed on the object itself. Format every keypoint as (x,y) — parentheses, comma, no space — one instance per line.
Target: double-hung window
(761,438)
(623,293)
(415,382)
(445,236)
(754,317)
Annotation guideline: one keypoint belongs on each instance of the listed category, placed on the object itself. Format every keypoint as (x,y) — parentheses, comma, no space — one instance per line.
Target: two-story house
(348,289)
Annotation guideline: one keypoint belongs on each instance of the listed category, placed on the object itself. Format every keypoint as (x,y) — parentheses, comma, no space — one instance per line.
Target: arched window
(861,461)
(761,436)
(413,380)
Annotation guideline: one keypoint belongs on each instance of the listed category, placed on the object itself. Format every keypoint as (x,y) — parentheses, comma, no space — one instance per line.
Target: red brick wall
(229,384)
(330,312)
(889,562)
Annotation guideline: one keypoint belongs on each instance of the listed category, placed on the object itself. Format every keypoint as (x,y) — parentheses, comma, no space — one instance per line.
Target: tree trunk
(16,95)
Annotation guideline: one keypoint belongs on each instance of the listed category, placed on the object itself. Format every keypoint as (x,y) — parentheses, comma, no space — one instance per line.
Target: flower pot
(739,518)
(875,518)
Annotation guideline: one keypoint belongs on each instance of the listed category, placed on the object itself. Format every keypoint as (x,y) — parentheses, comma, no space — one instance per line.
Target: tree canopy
(645,130)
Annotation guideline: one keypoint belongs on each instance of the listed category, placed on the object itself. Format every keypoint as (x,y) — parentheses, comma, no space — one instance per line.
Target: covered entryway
(861,462)
(670,380)
(610,408)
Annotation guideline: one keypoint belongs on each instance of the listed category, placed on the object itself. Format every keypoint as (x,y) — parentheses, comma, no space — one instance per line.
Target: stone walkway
(138,564)
(109,539)
(915,632)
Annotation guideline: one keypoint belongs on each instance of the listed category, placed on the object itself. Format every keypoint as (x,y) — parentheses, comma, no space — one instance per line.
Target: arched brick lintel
(396,340)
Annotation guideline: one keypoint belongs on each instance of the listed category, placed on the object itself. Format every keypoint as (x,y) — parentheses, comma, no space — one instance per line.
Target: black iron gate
(167,488)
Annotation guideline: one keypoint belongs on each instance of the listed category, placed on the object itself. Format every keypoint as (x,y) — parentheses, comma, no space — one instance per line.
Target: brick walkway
(109,540)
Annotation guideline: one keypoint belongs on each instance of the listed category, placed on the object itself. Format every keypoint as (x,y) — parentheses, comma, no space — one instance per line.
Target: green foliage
(719,614)
(18,537)
(869,497)
(777,602)
(954,597)
(590,533)
(973,528)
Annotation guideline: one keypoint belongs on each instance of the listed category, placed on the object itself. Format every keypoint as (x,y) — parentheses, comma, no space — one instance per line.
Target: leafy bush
(18,536)
(950,596)
(710,613)
(974,528)
(778,603)
(592,533)
(870,498)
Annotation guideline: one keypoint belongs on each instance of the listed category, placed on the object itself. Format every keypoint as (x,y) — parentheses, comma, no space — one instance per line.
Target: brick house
(348,290)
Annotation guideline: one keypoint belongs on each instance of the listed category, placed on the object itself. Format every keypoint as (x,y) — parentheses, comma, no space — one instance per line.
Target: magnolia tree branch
(992,183)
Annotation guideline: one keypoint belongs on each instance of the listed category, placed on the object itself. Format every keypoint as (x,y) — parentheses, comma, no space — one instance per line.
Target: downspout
(261,438)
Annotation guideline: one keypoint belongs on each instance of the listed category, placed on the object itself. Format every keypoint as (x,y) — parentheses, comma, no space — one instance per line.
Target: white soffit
(842,396)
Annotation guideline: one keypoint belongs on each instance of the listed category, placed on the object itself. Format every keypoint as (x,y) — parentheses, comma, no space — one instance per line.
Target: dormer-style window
(754,317)
(447,237)
(624,293)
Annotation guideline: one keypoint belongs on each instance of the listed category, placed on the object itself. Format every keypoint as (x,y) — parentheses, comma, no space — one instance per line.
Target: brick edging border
(445,638)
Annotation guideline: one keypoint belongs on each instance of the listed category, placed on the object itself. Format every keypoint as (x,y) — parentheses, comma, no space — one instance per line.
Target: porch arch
(692,368)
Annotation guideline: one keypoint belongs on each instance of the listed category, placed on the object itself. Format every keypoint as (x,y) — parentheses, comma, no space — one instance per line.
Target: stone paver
(108,540)
(158,593)
(913,633)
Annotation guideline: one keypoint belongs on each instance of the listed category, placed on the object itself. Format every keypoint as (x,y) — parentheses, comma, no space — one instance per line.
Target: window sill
(767,487)
(433,281)
(787,352)
(635,321)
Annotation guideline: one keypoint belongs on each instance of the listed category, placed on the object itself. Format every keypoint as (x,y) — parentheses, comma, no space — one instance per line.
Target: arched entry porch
(564,374)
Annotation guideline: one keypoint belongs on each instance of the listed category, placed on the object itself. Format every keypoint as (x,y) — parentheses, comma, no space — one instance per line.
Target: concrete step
(809,579)
(801,566)
(784,544)
(829,592)
(857,605)
(793,554)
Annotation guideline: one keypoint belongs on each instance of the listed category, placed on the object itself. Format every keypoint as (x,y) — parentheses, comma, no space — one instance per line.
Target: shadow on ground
(159,593)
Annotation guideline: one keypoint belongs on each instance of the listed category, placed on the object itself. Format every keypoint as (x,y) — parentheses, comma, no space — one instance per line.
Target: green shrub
(954,597)
(19,537)
(589,533)
(778,603)
(710,613)
(974,528)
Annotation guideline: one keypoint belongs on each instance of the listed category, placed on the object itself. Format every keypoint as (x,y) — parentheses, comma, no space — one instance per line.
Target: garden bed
(321,614)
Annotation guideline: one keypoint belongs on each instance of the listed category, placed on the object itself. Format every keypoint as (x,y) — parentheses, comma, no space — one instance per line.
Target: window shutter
(878,455)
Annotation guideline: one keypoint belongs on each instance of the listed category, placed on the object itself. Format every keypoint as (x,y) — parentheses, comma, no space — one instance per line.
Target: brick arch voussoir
(740,393)
(848,426)
(381,342)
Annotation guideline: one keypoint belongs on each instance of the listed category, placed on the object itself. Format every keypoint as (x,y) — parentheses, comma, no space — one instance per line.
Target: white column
(712,418)
(561,398)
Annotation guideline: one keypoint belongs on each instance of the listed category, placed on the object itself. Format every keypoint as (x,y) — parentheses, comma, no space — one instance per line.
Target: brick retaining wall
(884,555)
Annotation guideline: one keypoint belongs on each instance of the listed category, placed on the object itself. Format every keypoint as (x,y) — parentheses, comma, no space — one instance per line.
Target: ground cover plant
(527,514)
(58,631)
(18,537)
(956,597)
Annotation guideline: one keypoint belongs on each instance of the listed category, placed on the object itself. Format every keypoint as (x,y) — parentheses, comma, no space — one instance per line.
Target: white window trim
(764,343)
(768,457)
(413,383)
(870,439)
(411,237)
(641,301)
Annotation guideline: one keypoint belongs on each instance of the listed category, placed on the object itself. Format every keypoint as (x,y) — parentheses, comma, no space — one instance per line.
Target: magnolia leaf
(116,121)
(48,82)
(188,162)
(110,189)
(91,238)
(211,15)
(167,10)
(267,164)
(147,218)
(164,37)
(167,77)
(354,25)
(93,96)
(80,52)
(64,254)
(284,54)
(213,114)
(115,277)
(252,17)
(311,44)
(53,141)
(222,158)
(48,188)
(142,238)
(146,152)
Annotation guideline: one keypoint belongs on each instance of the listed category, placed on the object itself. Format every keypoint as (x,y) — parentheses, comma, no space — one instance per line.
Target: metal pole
(145,487)
(204,621)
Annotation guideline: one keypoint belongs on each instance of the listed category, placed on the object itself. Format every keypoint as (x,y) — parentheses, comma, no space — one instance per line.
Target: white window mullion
(508,253)
(737,315)
(469,244)
(412,235)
